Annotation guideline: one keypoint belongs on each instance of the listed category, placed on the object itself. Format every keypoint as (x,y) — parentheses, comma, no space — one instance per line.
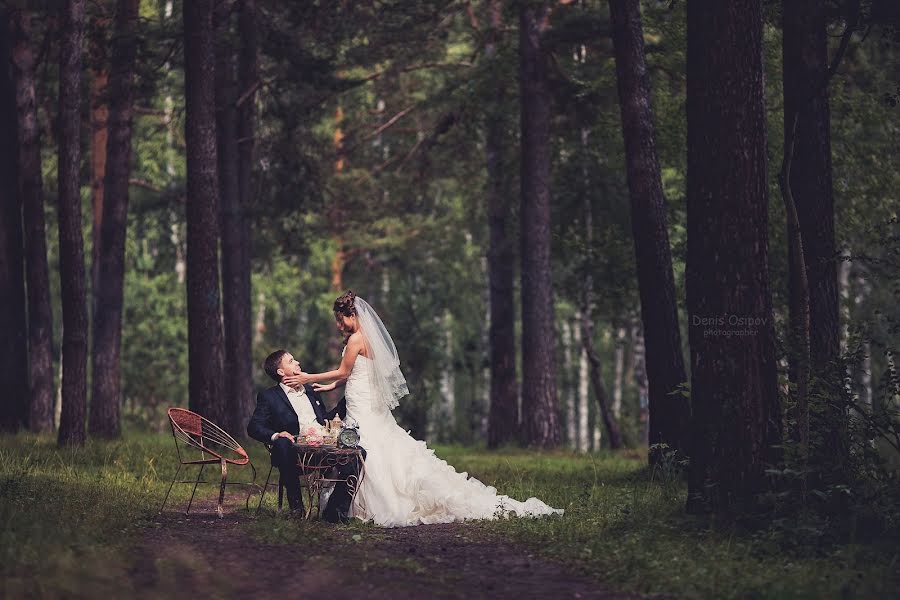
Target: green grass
(67,519)
(631,532)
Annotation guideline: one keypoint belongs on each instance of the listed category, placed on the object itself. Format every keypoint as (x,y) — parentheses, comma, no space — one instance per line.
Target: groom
(280,413)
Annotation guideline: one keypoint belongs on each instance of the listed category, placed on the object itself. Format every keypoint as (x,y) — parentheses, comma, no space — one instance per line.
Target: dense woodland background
(540,199)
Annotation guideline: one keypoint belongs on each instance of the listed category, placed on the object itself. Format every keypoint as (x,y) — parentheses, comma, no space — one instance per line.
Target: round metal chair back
(202,434)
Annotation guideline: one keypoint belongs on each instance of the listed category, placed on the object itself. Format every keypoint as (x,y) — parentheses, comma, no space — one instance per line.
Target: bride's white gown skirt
(405,483)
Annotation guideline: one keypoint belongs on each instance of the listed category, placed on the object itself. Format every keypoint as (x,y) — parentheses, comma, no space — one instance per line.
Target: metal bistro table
(318,467)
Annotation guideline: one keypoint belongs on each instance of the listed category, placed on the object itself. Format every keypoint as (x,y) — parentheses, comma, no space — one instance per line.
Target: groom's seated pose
(280,413)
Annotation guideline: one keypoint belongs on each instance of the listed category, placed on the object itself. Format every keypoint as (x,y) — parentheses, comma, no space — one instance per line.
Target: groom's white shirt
(300,403)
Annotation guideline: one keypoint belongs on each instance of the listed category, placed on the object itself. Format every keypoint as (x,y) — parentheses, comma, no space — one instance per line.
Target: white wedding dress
(405,483)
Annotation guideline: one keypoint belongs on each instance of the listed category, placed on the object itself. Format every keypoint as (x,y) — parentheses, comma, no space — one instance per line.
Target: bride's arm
(354,345)
(327,388)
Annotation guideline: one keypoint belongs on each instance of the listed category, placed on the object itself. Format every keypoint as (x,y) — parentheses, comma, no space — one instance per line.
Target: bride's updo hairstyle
(343,306)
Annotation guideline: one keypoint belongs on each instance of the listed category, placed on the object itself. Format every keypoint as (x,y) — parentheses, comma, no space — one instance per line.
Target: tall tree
(40,316)
(248,81)
(13,324)
(71,243)
(99,61)
(669,412)
(736,413)
(807,146)
(587,331)
(503,417)
(106,385)
(235,299)
(205,357)
(539,414)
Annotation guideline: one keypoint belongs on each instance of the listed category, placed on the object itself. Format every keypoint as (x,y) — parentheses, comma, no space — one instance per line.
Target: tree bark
(669,413)
(540,420)
(596,370)
(71,243)
(806,74)
(584,393)
(40,316)
(99,134)
(736,416)
(798,299)
(619,385)
(106,384)
(205,359)
(503,420)
(248,74)
(235,297)
(570,431)
(13,323)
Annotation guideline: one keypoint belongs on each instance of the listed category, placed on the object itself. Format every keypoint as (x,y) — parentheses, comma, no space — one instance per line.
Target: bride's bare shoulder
(357,342)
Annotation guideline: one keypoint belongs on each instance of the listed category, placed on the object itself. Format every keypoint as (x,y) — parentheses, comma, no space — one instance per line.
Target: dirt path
(201,556)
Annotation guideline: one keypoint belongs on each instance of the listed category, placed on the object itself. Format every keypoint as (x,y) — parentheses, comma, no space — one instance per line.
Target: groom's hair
(273,361)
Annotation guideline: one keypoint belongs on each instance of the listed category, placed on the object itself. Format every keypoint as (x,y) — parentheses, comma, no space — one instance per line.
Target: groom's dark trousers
(274,414)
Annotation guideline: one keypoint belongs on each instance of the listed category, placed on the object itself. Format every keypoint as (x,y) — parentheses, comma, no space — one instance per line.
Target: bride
(405,483)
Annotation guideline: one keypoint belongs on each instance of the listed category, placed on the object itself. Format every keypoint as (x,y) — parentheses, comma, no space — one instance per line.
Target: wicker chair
(196,434)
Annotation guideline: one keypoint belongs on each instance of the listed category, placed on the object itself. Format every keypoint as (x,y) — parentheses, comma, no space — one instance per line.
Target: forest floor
(241,556)
(85,524)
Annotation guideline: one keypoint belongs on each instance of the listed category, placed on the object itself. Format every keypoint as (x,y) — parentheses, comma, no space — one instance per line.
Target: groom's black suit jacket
(274,413)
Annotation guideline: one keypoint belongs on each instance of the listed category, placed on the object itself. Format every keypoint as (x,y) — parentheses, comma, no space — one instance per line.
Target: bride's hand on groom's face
(293,381)
(297,379)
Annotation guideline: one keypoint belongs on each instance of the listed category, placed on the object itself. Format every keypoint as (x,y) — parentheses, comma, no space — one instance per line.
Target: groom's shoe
(295,501)
(336,516)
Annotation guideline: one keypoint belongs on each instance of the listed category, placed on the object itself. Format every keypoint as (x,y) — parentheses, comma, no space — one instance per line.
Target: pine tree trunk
(806,100)
(99,134)
(13,323)
(40,316)
(106,385)
(669,413)
(247,77)
(235,299)
(540,421)
(596,371)
(71,243)
(736,416)
(205,338)
(503,422)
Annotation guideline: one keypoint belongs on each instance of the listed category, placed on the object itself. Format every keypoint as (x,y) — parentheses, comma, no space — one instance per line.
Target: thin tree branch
(143,183)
